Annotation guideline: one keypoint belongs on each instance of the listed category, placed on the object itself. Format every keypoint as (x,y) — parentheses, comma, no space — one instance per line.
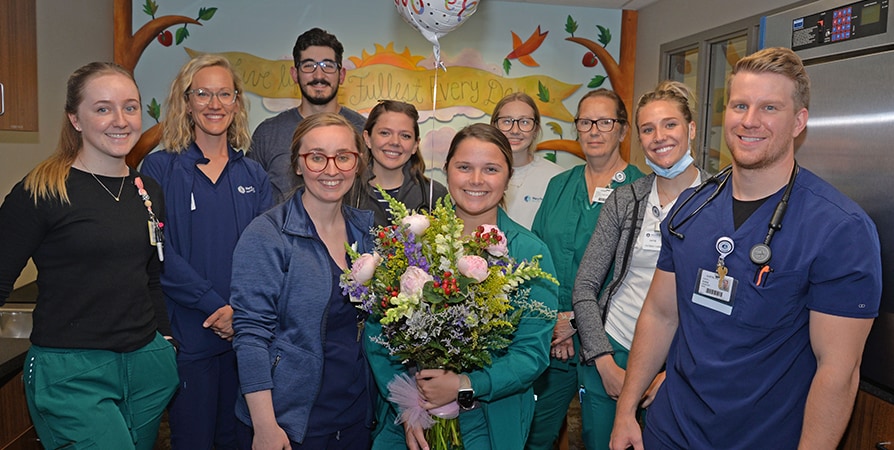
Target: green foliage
(181,35)
(154,109)
(605,35)
(550,156)
(542,92)
(432,313)
(206,13)
(556,128)
(570,25)
(506,65)
(150,7)
(596,82)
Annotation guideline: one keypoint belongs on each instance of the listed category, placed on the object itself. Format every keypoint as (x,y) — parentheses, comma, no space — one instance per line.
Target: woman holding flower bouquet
(293,323)
(495,399)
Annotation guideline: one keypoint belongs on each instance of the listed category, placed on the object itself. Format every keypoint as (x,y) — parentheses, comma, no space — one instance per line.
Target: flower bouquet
(443,300)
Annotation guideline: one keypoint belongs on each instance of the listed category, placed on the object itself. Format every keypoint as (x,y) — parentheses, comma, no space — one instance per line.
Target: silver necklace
(120,188)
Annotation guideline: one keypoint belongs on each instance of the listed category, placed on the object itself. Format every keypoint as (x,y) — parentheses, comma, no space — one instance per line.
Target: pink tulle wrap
(402,391)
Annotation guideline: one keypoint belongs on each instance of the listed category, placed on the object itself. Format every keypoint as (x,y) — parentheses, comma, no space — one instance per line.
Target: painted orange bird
(522,51)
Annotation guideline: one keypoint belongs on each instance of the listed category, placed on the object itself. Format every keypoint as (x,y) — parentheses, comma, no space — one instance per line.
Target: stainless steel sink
(15,320)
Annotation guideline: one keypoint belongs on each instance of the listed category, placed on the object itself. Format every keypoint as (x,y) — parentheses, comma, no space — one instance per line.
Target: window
(702,62)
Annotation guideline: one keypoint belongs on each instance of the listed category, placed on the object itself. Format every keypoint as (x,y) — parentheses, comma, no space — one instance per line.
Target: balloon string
(434,108)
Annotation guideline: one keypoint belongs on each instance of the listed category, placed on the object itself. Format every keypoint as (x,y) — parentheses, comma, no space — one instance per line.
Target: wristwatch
(465,397)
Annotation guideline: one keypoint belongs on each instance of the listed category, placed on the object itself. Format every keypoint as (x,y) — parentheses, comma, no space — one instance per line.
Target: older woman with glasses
(517,116)
(565,221)
(293,322)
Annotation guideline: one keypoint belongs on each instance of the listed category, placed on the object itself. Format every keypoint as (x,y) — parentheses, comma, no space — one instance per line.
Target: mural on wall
(465,90)
(129,47)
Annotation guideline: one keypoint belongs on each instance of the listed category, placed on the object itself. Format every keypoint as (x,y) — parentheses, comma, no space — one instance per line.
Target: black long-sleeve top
(98,276)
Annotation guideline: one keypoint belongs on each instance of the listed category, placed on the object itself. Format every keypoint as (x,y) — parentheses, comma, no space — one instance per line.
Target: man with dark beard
(318,72)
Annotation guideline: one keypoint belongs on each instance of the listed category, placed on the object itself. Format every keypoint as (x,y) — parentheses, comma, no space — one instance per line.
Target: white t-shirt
(526,189)
(625,306)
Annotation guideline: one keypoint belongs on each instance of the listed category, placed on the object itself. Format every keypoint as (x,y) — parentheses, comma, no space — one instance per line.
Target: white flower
(417,223)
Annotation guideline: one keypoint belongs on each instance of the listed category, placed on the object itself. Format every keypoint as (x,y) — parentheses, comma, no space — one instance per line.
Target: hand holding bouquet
(444,300)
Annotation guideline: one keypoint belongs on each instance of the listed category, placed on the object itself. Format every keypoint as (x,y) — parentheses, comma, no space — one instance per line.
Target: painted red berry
(166,38)
(590,60)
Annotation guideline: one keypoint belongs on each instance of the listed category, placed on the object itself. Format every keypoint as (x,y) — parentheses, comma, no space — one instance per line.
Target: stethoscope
(760,253)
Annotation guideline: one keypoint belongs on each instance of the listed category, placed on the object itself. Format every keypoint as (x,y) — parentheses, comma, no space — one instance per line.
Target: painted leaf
(570,25)
(150,8)
(596,82)
(556,128)
(154,109)
(506,65)
(181,35)
(550,156)
(542,92)
(206,13)
(605,35)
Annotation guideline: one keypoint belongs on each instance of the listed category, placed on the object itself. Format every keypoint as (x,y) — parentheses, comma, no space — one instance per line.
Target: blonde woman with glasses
(213,192)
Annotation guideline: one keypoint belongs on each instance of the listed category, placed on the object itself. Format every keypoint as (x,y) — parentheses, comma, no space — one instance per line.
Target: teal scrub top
(566,220)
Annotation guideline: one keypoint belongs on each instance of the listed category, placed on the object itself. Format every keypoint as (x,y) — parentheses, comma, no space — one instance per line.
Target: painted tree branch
(128,48)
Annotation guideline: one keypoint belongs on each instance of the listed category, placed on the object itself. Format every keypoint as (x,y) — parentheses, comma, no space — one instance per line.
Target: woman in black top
(99,373)
(391,134)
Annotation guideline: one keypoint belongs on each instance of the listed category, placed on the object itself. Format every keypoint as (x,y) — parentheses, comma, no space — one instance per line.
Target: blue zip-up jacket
(282,280)
(190,296)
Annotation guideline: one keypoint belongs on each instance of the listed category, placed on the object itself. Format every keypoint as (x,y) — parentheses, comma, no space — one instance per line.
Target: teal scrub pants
(99,399)
(597,408)
(555,389)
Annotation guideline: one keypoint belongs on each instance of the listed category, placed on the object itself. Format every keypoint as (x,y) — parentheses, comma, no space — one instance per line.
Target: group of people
(232,316)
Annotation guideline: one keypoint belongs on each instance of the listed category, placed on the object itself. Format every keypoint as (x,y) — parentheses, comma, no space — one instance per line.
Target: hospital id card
(600,195)
(715,293)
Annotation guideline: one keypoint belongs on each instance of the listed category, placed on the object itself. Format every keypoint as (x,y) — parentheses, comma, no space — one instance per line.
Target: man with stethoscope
(767,285)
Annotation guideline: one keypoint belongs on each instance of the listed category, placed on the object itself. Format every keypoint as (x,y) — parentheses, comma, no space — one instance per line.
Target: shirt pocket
(776,303)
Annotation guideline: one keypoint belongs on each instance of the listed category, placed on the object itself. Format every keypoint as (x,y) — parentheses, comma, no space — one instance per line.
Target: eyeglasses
(506,123)
(326,65)
(318,162)
(603,125)
(203,97)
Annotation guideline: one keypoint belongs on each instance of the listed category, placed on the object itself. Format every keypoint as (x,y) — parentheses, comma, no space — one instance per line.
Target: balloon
(436,18)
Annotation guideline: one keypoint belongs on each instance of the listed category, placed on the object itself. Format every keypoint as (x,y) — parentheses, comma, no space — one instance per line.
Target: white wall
(668,20)
(69,35)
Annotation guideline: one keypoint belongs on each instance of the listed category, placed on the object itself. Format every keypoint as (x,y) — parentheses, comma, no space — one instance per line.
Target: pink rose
(412,281)
(499,248)
(417,223)
(364,267)
(473,267)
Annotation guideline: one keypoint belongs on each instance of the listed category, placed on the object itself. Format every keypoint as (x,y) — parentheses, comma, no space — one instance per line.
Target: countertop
(12,355)
(12,351)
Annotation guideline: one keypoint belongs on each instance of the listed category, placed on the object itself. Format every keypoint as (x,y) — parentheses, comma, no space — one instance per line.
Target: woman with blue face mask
(627,237)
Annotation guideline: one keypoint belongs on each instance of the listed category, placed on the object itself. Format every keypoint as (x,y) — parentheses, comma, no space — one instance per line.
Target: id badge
(652,240)
(600,195)
(153,234)
(715,293)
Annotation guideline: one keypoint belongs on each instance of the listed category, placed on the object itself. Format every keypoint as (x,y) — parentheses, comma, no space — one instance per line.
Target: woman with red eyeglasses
(292,320)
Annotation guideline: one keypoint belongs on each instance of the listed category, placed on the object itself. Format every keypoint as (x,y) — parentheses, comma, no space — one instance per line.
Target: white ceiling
(608,4)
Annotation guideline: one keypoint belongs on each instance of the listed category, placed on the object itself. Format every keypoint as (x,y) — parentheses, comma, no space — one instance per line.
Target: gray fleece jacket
(608,254)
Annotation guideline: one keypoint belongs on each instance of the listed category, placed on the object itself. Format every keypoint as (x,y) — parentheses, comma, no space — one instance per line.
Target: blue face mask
(674,170)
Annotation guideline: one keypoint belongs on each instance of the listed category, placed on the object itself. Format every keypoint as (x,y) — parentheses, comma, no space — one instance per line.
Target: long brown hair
(47,179)
(417,164)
